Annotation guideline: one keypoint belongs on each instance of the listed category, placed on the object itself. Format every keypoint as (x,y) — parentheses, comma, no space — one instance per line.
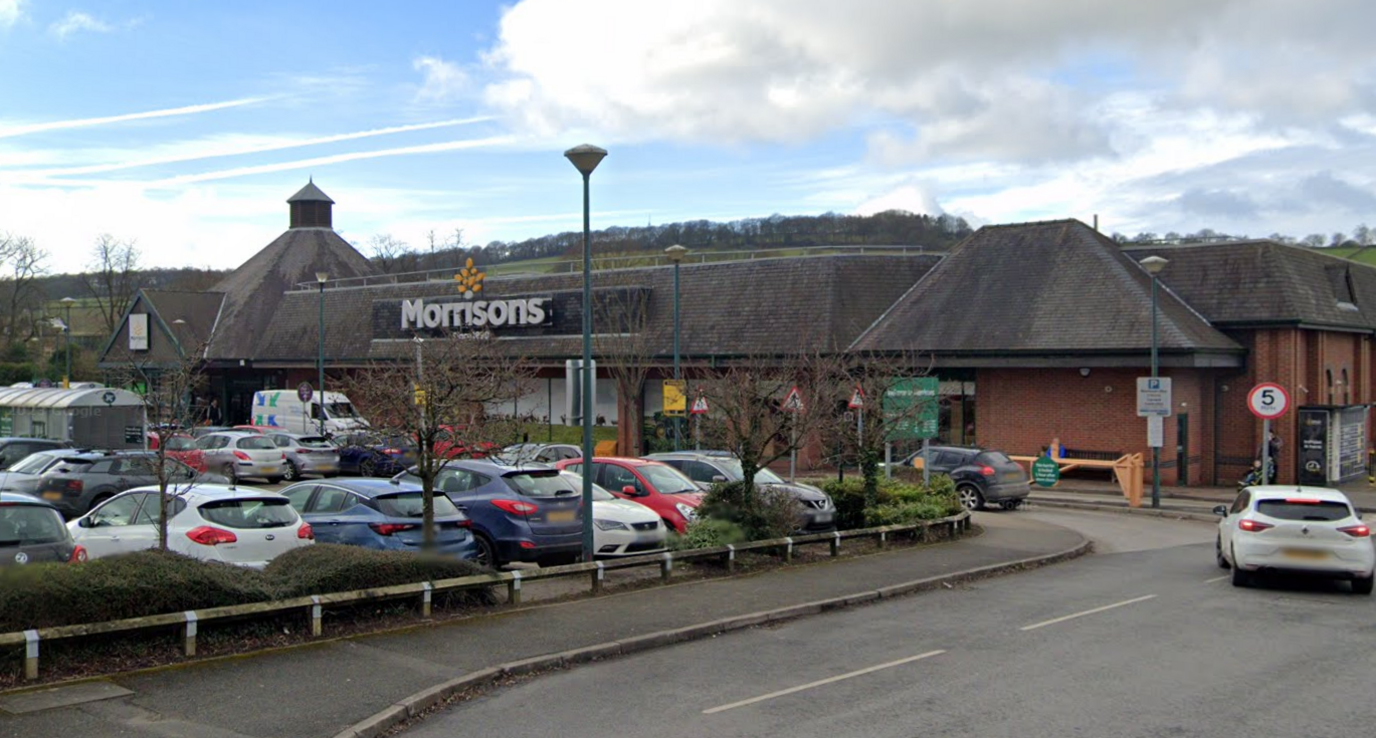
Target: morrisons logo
(418,314)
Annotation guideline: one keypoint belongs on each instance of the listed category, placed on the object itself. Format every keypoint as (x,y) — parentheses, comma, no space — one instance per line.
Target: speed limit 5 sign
(1268,401)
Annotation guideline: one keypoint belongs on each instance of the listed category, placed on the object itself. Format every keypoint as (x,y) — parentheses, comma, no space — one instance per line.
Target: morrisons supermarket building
(1036,330)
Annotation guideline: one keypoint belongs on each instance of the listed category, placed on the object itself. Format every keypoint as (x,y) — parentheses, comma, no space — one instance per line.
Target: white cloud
(76,21)
(443,81)
(10,12)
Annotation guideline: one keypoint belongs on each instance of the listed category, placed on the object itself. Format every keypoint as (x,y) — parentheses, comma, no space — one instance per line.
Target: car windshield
(1315,510)
(314,442)
(26,524)
(599,493)
(249,513)
(35,463)
(412,505)
(179,443)
(257,443)
(668,480)
(541,484)
(734,472)
(993,458)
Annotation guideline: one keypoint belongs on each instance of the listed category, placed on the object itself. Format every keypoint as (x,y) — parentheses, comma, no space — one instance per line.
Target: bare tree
(391,255)
(439,401)
(23,264)
(625,346)
(112,278)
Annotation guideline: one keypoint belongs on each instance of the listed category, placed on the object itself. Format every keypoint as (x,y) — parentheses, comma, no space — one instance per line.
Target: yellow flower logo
(470,280)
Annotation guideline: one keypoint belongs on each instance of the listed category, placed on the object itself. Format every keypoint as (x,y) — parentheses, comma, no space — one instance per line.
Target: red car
(654,484)
(181,447)
(449,445)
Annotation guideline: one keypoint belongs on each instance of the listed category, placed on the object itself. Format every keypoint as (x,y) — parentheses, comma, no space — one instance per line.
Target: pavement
(1093,493)
(363,685)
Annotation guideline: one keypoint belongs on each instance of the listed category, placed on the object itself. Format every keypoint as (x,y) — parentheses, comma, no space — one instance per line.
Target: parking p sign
(1153,397)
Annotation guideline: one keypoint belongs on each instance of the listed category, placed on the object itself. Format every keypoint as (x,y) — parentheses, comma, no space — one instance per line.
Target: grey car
(76,481)
(818,511)
(237,454)
(13,450)
(544,453)
(32,532)
(305,454)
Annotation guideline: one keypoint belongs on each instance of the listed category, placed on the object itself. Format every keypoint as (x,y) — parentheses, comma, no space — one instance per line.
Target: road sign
(1156,431)
(304,392)
(857,399)
(793,402)
(1268,401)
(699,406)
(420,395)
(1153,396)
(1046,472)
(912,406)
(675,403)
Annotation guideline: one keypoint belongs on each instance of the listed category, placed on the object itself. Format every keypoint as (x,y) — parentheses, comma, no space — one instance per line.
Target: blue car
(379,514)
(527,512)
(374,455)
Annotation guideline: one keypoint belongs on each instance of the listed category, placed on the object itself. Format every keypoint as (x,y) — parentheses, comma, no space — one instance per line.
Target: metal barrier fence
(314,605)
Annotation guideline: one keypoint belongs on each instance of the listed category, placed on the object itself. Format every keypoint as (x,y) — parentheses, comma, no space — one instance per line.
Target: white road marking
(1217,579)
(1064,618)
(822,682)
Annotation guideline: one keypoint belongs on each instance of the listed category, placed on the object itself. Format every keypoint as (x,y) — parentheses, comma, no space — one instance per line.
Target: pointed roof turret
(311,208)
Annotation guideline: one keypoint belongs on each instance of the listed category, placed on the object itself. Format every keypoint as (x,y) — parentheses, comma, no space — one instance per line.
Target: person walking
(213,414)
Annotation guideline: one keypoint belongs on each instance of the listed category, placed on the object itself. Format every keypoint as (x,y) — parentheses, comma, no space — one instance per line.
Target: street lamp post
(676,254)
(585,159)
(1154,265)
(321,278)
(67,303)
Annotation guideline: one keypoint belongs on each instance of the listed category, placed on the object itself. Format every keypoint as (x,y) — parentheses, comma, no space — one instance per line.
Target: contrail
(56,125)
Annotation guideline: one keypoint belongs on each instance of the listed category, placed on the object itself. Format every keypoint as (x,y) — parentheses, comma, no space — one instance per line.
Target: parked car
(32,532)
(980,475)
(14,450)
(621,528)
(368,454)
(284,410)
(25,475)
(76,481)
(179,446)
(380,514)
(238,454)
(544,453)
(519,513)
(305,454)
(214,522)
(654,484)
(450,444)
(1306,530)
(817,513)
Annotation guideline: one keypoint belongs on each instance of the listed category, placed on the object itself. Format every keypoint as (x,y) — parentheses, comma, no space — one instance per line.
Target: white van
(284,409)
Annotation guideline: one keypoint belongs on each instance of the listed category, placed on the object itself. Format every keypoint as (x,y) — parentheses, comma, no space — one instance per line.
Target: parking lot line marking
(822,682)
(1064,618)
(1217,579)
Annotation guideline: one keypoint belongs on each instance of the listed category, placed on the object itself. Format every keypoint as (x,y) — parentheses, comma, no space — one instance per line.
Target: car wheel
(1362,585)
(487,553)
(367,468)
(970,497)
(1218,554)
(229,473)
(1241,577)
(292,473)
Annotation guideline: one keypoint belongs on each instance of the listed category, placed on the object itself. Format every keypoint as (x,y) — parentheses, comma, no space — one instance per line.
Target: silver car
(306,454)
(243,454)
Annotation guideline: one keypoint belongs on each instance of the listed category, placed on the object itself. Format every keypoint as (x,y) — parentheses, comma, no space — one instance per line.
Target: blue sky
(184,126)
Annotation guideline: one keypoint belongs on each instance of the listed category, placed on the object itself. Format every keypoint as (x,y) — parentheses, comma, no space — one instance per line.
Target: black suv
(818,512)
(15,449)
(980,475)
(78,481)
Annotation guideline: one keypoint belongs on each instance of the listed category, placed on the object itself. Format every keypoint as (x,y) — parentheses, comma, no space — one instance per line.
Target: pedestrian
(1272,450)
(1056,450)
(213,414)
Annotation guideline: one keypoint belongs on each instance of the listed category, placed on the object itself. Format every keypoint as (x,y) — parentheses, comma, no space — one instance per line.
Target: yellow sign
(675,401)
(470,280)
(420,395)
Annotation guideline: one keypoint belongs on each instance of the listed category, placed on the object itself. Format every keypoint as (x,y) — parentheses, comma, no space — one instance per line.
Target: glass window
(453,481)
(696,470)
(299,495)
(255,443)
(180,443)
(98,467)
(1240,504)
(36,463)
(618,477)
(668,480)
(577,469)
(12,454)
(314,442)
(119,511)
(541,484)
(331,499)
(250,513)
(148,511)
(281,441)
(24,524)
(1304,510)
(411,505)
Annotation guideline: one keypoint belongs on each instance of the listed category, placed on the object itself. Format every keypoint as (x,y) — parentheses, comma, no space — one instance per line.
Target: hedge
(898,502)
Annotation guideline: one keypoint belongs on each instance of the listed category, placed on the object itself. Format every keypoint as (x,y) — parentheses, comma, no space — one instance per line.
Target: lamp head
(585,157)
(322,277)
(1153,264)
(67,301)
(676,253)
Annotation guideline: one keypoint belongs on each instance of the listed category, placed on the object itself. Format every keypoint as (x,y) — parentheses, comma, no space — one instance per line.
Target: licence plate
(1304,553)
(52,495)
(560,516)
(824,517)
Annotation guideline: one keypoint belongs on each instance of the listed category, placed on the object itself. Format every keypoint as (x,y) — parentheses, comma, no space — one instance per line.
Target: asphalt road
(1146,638)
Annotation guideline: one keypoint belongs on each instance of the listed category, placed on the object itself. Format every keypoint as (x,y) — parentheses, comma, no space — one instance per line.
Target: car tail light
(987,471)
(1301,501)
(515,507)
(79,555)
(465,523)
(208,536)
(527,544)
(284,455)
(1356,531)
(1254,526)
(387,529)
(242,456)
(305,532)
(392,451)
(63,485)
(299,451)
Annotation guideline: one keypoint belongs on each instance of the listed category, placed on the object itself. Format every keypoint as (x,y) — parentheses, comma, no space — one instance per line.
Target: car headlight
(686,511)
(610,525)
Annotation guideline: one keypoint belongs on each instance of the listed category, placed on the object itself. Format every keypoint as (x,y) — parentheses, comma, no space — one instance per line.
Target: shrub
(761,514)
(898,502)
(708,533)
(327,567)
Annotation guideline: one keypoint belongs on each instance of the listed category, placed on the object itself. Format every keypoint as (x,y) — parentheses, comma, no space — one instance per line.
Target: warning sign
(857,400)
(699,406)
(793,402)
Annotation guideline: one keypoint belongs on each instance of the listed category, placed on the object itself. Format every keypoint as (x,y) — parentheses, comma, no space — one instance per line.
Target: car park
(213,522)
(32,532)
(238,454)
(654,484)
(380,514)
(14,450)
(179,446)
(621,528)
(1313,531)
(981,475)
(305,453)
(76,481)
(368,454)
(816,511)
(519,512)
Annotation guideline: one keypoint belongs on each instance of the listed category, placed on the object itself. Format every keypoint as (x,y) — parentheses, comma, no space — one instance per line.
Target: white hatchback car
(1310,530)
(621,527)
(245,527)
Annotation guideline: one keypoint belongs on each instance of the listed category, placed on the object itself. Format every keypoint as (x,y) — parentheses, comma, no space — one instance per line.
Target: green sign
(1046,472)
(911,404)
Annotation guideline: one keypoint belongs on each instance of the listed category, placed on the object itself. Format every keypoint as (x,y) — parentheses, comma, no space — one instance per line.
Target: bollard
(788,551)
(30,654)
(316,627)
(425,598)
(598,575)
(666,567)
(883,539)
(835,544)
(189,633)
(513,589)
(730,558)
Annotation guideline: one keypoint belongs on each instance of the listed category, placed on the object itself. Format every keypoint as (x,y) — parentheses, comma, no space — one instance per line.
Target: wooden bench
(1126,469)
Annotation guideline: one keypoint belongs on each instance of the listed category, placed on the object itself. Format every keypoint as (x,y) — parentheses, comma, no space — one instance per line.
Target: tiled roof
(1055,287)
(197,310)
